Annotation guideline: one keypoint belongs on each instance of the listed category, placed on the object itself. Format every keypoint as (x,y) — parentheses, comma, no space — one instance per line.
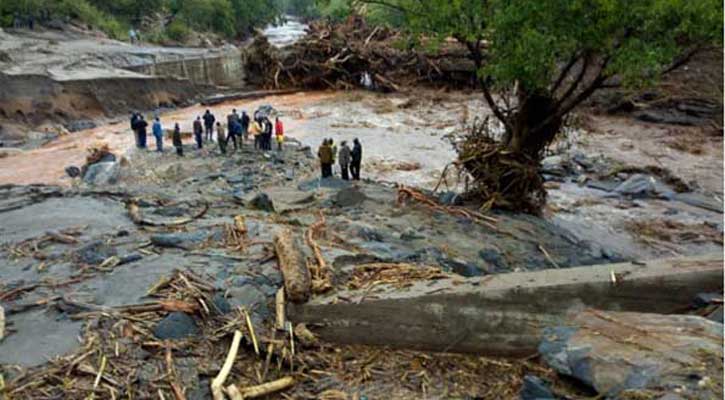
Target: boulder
(246,296)
(617,352)
(349,197)
(221,305)
(80,125)
(177,325)
(261,201)
(94,253)
(180,240)
(535,388)
(73,171)
(638,186)
(102,173)
(553,165)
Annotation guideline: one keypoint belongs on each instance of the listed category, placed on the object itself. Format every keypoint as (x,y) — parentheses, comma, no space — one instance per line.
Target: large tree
(538,60)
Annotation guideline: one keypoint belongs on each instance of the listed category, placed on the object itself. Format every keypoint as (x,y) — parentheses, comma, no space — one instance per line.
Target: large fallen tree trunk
(293,265)
(504,314)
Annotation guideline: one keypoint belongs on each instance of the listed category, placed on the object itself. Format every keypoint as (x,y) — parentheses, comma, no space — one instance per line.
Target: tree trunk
(530,131)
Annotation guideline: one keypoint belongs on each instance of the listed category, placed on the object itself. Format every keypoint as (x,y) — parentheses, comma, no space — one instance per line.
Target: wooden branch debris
(259,390)
(218,382)
(405,193)
(293,265)
(321,274)
(135,214)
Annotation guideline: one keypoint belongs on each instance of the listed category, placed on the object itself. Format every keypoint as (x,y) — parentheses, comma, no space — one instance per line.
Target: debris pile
(353,54)
(500,179)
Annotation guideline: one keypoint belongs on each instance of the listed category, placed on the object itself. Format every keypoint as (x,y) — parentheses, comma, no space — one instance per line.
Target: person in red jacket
(279,133)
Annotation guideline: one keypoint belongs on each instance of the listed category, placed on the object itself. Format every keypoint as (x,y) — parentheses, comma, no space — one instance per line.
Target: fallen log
(503,314)
(259,390)
(293,265)
(256,94)
(135,214)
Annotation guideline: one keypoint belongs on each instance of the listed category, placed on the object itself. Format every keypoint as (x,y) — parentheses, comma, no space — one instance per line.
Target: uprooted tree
(538,60)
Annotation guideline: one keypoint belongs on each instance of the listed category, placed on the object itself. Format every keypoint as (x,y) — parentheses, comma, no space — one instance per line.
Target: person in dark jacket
(141,125)
(356,159)
(325,155)
(267,134)
(134,128)
(176,140)
(344,160)
(244,121)
(235,131)
(198,132)
(209,125)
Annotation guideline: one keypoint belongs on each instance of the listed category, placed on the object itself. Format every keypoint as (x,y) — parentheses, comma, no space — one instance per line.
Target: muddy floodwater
(405,141)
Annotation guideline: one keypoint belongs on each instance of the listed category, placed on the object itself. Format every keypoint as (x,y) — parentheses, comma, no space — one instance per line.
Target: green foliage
(229,18)
(335,10)
(178,31)
(529,40)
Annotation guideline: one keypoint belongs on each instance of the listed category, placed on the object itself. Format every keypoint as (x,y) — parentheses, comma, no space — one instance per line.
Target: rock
(94,253)
(221,304)
(262,202)
(460,267)
(535,388)
(181,240)
(80,125)
(716,315)
(670,117)
(127,259)
(494,258)
(450,199)
(170,211)
(616,351)
(638,186)
(553,165)
(247,296)
(73,171)
(705,299)
(2,323)
(349,197)
(176,325)
(370,234)
(411,234)
(102,173)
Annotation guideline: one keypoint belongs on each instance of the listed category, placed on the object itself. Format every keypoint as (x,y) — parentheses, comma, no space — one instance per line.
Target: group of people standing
(348,159)
(237,131)
(139,126)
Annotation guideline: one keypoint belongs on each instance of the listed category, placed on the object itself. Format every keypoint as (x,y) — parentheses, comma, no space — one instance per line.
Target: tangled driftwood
(344,56)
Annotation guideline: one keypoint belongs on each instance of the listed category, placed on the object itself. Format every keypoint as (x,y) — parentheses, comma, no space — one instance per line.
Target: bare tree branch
(575,84)
(564,72)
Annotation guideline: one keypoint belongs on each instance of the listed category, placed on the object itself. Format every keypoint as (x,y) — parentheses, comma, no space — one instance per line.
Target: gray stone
(181,240)
(349,197)
(705,299)
(73,171)
(716,315)
(102,173)
(411,234)
(221,304)
(450,199)
(80,125)
(95,252)
(535,388)
(177,325)
(639,351)
(638,186)
(247,296)
(262,202)
(493,258)
(370,234)
(553,165)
